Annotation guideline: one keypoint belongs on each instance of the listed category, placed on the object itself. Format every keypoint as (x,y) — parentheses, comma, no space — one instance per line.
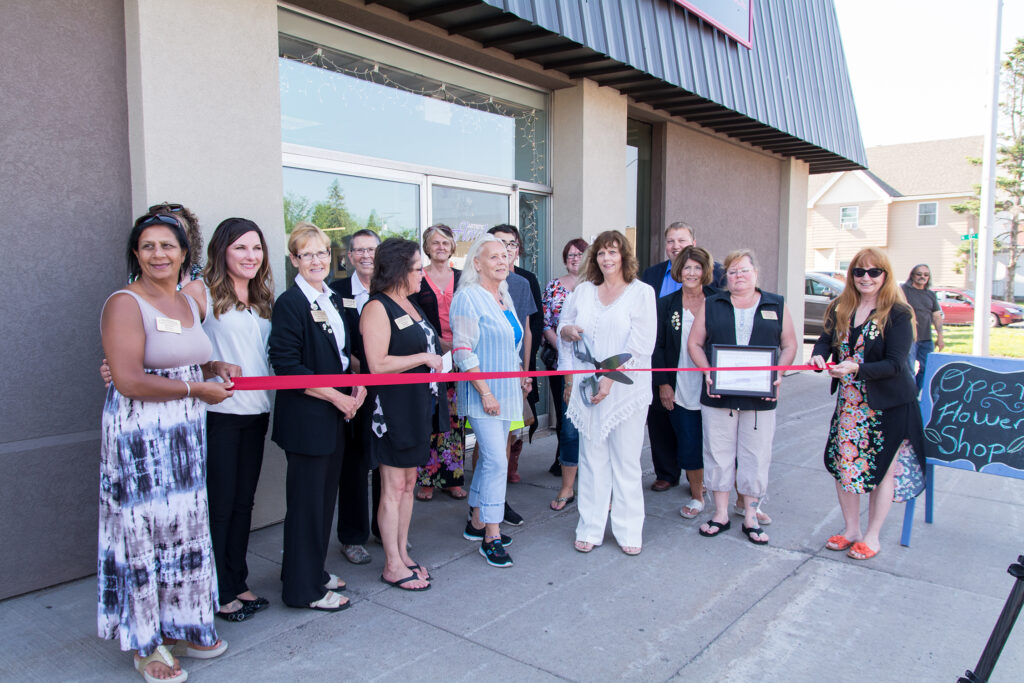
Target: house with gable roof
(901,203)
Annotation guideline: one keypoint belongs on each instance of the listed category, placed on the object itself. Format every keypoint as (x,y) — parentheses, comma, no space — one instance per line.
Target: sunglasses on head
(173,208)
(159,218)
(873,272)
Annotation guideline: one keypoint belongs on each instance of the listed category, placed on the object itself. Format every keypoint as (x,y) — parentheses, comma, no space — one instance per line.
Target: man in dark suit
(354,519)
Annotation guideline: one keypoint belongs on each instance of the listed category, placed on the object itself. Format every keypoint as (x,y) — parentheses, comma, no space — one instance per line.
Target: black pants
(557,383)
(311,490)
(234,446)
(663,443)
(353,493)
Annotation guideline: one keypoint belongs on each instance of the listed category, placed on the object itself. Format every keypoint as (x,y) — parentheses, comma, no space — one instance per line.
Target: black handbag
(548,355)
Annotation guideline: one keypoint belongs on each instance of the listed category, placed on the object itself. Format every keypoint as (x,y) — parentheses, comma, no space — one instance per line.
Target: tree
(296,209)
(332,216)
(1009,203)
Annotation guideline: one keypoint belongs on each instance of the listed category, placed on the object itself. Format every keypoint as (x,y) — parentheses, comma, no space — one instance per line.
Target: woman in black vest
(876,440)
(738,430)
(397,338)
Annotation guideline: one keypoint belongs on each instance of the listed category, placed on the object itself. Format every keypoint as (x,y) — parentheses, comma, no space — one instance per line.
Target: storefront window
(359,105)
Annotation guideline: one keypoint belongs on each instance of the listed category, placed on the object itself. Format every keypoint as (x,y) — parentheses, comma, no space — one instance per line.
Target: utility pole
(983,282)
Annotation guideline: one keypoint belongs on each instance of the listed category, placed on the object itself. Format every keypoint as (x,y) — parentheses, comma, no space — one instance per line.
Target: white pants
(610,473)
(738,449)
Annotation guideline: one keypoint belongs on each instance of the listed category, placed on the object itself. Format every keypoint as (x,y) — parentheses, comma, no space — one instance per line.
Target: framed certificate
(760,383)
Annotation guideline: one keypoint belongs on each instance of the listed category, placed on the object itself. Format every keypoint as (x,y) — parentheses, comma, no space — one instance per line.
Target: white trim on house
(862,176)
(930,197)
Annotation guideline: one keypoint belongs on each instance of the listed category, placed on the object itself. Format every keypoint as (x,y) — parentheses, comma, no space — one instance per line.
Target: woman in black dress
(875,444)
(397,338)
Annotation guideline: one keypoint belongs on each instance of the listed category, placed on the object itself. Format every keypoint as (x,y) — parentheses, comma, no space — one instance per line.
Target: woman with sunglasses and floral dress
(875,443)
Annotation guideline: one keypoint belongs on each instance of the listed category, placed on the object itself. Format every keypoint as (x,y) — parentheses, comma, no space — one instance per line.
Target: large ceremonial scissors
(589,386)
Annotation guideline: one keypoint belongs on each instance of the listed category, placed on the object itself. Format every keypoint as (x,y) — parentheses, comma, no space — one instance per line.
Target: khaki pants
(737,449)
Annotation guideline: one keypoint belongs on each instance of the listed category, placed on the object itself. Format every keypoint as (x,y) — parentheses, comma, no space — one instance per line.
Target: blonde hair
(303,232)
(890,296)
(471,277)
(591,271)
(734,256)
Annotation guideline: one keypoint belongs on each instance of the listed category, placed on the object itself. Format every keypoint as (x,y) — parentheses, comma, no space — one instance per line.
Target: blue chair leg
(908,522)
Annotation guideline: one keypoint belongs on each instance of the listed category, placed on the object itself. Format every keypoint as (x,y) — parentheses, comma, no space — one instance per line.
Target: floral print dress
(862,442)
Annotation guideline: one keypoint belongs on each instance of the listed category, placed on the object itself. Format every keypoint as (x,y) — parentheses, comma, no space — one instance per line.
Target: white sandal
(160,654)
(693,504)
(331,602)
(182,648)
(762,517)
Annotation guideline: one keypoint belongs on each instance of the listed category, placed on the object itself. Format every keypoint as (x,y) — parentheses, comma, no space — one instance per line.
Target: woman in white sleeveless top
(155,564)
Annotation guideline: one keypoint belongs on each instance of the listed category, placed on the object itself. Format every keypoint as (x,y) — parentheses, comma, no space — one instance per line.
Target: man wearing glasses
(927,312)
(353,503)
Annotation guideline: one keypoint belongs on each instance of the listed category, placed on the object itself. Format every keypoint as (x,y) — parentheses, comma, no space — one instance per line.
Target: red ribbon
(385,379)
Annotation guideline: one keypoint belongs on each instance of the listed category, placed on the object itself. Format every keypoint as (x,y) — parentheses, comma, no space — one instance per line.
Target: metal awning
(789,94)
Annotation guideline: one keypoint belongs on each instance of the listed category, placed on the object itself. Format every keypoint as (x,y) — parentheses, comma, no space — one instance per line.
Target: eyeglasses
(739,271)
(363,251)
(873,272)
(318,255)
(919,274)
(574,256)
(510,245)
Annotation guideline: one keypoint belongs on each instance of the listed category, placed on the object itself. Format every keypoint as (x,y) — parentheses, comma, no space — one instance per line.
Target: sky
(919,68)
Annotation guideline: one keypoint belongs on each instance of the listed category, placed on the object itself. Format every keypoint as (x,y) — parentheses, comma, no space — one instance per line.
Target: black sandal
(756,530)
(717,526)
(240,614)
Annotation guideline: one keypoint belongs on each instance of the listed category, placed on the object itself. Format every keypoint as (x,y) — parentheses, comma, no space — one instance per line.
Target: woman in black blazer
(679,392)
(308,336)
(875,444)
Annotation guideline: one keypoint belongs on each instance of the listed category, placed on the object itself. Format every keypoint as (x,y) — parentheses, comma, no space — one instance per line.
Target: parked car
(836,274)
(958,308)
(819,290)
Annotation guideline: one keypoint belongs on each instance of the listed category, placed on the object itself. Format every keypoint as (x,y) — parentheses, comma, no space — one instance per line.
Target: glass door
(469,209)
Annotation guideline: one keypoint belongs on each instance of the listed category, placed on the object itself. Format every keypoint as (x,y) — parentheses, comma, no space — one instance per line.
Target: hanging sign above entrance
(734,18)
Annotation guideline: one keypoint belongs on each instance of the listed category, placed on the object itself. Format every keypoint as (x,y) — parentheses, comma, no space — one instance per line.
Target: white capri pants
(737,449)
(610,473)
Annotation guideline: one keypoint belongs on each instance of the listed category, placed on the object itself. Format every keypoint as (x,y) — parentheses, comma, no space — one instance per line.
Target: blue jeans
(487,490)
(919,352)
(568,436)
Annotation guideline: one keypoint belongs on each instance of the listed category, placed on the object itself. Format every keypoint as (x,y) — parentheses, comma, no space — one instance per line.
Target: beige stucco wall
(731,195)
(205,130)
(588,172)
(937,246)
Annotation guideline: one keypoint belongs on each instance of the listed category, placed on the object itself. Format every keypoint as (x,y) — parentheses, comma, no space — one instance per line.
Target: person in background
(679,392)
(236,297)
(927,312)
(875,443)
(445,468)
(664,448)
(486,337)
(610,312)
(567,456)
(354,508)
(525,292)
(308,336)
(155,569)
(399,339)
(738,430)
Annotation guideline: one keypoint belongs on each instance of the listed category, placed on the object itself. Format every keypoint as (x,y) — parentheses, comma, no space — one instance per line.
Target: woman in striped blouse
(486,338)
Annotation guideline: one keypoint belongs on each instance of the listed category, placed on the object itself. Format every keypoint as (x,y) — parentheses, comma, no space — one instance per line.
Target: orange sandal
(838,542)
(860,551)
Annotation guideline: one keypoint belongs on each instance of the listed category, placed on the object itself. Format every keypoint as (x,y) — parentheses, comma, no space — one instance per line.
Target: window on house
(927,214)
(848,217)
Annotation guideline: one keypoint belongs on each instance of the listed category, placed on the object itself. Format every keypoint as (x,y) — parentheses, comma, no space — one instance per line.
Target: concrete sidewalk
(687,608)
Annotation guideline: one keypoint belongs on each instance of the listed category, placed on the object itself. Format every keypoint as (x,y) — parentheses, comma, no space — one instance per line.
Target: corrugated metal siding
(790,93)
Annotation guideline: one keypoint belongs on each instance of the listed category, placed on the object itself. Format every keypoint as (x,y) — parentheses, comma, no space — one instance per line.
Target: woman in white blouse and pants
(613,312)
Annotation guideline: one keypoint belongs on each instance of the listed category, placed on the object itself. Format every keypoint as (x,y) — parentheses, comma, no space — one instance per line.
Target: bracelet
(487,394)
(188,390)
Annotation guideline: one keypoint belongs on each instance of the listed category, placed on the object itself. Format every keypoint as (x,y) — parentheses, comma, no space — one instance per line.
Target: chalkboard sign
(973,413)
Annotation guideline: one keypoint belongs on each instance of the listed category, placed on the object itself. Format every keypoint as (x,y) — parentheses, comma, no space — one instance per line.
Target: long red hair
(890,296)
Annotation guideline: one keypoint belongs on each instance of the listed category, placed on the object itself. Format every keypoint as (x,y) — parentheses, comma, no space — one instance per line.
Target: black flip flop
(717,526)
(417,568)
(747,530)
(411,577)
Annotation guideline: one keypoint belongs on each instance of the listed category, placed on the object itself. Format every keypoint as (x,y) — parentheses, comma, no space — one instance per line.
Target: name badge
(403,322)
(769,315)
(319,316)
(168,325)
(348,303)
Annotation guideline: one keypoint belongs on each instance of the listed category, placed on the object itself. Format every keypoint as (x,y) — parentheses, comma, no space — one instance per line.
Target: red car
(958,308)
